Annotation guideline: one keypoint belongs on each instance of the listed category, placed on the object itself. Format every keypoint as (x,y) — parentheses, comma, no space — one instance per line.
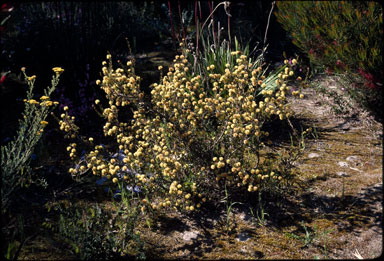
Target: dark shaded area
(78,35)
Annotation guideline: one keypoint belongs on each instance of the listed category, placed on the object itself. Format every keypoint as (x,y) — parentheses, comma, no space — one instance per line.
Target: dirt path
(345,164)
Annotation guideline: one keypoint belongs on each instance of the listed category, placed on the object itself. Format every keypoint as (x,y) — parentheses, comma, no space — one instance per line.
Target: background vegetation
(340,37)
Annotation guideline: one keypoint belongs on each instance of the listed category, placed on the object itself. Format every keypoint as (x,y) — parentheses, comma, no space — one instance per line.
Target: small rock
(242,237)
(244,250)
(313,155)
(190,235)
(241,216)
(352,158)
(342,164)
(342,174)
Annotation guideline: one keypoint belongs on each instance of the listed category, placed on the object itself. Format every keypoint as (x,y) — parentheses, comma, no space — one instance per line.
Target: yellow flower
(31,77)
(57,70)
(33,101)
(114,180)
(44,98)
(160,68)
(43,122)
(294,61)
(97,101)
(47,103)
(65,108)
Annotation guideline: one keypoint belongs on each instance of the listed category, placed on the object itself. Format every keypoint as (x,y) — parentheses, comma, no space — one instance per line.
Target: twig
(222,3)
(266,29)
(357,254)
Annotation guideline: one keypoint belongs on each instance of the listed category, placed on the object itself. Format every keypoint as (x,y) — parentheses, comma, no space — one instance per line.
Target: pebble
(342,174)
(352,158)
(190,235)
(342,164)
(313,155)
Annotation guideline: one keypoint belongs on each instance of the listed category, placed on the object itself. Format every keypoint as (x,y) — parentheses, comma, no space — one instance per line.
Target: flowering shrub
(342,36)
(191,140)
(15,155)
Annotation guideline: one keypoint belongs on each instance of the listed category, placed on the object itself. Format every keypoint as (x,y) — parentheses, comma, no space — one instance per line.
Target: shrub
(16,155)
(92,233)
(191,140)
(341,37)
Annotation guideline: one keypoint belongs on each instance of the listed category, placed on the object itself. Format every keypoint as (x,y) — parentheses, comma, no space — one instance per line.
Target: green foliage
(16,155)
(341,36)
(15,241)
(313,236)
(93,233)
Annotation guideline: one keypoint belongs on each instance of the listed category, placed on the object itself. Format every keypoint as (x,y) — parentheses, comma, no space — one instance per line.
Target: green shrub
(16,155)
(341,36)
(93,233)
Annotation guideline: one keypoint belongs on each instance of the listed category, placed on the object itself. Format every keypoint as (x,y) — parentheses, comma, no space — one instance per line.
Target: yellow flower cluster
(58,70)
(67,124)
(72,151)
(45,101)
(192,139)
(121,86)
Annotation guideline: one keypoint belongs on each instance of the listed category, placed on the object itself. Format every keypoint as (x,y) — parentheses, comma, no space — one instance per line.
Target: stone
(352,158)
(342,174)
(313,155)
(190,235)
(342,164)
